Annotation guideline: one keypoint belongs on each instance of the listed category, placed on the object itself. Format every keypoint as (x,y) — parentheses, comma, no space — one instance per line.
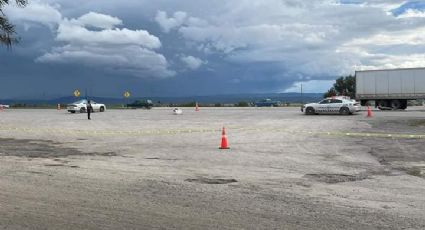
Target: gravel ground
(140,169)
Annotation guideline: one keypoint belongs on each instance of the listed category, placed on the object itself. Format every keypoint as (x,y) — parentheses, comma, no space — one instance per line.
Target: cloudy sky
(194,47)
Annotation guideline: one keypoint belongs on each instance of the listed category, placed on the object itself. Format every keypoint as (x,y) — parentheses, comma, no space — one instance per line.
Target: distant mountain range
(223,99)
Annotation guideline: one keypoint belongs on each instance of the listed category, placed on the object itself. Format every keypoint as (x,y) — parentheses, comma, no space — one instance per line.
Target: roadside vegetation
(343,86)
(122,106)
(8,35)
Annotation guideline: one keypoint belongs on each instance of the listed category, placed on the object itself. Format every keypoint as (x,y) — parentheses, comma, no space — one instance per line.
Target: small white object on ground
(177,111)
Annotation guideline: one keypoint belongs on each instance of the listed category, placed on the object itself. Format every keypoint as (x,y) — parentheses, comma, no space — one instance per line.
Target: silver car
(341,106)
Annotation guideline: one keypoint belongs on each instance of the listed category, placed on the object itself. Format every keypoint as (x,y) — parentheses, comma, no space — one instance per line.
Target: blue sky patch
(417,5)
(351,1)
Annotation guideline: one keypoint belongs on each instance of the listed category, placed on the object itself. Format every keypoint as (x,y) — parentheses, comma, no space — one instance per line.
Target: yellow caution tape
(189,131)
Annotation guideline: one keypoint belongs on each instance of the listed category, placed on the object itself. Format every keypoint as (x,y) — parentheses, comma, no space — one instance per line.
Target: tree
(343,86)
(331,92)
(7,30)
(242,104)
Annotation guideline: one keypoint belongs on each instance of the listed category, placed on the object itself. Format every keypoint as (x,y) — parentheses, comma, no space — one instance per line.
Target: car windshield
(84,101)
(326,101)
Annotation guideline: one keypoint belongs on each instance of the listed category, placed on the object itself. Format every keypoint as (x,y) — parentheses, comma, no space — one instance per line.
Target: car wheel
(82,110)
(344,111)
(102,109)
(310,111)
(72,111)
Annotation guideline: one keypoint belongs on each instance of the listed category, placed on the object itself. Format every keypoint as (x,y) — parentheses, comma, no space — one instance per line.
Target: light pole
(302,98)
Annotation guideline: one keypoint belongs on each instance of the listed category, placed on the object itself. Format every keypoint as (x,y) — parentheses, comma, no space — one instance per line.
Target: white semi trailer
(390,89)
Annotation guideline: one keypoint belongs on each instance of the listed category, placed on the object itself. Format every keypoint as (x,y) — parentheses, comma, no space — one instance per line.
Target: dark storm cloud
(193,47)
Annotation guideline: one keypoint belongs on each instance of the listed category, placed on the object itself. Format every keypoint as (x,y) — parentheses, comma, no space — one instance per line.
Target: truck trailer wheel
(403,104)
(396,104)
(382,104)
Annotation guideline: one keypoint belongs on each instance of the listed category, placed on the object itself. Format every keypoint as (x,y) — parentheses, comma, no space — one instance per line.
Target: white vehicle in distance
(81,106)
(4,106)
(334,105)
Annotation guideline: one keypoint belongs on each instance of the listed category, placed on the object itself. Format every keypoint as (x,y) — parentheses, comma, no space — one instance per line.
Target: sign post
(77,93)
(126,96)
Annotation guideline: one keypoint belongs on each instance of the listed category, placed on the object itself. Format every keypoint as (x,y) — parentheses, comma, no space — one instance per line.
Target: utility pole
(302,98)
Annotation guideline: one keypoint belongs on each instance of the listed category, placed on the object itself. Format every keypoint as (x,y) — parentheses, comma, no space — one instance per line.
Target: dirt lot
(142,169)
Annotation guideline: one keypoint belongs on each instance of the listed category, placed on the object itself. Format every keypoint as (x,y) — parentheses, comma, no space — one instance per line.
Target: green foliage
(190,104)
(343,86)
(7,30)
(35,106)
(331,92)
(242,104)
(18,105)
(415,171)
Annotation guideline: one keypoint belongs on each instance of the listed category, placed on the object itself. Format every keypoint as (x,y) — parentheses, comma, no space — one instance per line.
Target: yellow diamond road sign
(126,94)
(77,93)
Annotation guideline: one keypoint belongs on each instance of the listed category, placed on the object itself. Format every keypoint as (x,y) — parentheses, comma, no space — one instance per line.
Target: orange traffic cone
(224,140)
(59,106)
(369,112)
(197,107)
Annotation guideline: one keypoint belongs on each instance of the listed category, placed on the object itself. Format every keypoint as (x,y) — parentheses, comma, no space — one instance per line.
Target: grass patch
(417,123)
(415,171)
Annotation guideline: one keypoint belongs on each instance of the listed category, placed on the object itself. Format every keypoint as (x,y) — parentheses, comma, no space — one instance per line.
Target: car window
(335,101)
(80,102)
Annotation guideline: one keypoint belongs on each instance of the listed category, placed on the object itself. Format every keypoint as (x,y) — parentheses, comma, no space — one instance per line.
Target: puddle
(203,180)
(108,154)
(54,165)
(163,159)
